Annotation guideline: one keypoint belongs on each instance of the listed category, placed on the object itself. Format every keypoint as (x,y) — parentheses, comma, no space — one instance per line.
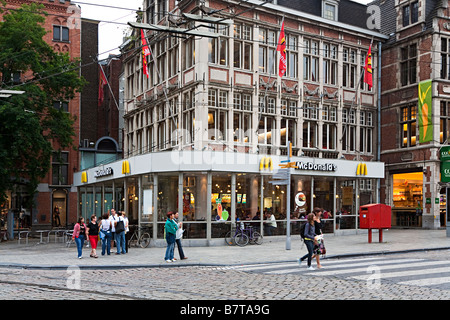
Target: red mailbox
(375,216)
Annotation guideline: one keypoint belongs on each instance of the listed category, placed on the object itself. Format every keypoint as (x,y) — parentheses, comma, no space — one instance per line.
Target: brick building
(417,50)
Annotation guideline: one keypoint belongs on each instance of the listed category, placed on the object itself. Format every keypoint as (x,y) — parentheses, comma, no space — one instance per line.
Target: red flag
(101,84)
(368,78)
(282,48)
(145,53)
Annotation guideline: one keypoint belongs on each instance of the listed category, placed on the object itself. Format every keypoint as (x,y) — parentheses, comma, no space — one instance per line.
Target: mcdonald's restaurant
(211,190)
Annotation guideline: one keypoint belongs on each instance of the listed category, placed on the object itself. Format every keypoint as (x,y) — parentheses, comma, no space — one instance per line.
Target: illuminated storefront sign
(103,172)
(316,166)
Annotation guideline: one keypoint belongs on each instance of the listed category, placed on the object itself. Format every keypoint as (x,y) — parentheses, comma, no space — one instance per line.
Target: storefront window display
(221,194)
(195,191)
(323,197)
(147,194)
(133,200)
(166,199)
(119,196)
(274,203)
(407,199)
(300,201)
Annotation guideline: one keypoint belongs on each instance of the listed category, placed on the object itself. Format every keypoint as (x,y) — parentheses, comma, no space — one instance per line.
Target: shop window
(195,202)
(444,121)
(408,189)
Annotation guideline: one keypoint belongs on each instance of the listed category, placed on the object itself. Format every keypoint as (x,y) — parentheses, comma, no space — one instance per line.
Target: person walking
(92,234)
(127,231)
(79,235)
(170,230)
(105,228)
(178,237)
(319,246)
(113,218)
(120,233)
(309,240)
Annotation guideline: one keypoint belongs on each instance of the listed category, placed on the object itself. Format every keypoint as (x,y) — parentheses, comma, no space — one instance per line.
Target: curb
(202,264)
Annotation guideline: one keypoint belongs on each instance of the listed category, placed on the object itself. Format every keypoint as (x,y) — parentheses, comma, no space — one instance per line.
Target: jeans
(120,242)
(170,238)
(310,246)
(180,248)
(80,242)
(106,244)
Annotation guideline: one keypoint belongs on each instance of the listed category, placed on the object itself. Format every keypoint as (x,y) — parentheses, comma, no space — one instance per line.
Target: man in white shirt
(113,219)
(271,224)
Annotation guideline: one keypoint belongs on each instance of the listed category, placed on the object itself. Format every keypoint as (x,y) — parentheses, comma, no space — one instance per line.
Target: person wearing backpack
(309,234)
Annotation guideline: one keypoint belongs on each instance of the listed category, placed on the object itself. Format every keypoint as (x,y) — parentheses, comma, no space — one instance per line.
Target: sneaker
(169,261)
(300,261)
(174,259)
(310,268)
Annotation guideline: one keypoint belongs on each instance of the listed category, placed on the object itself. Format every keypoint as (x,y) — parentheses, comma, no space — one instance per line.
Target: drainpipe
(379,118)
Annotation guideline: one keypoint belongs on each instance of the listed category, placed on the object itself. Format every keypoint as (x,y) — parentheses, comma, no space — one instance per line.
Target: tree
(30,127)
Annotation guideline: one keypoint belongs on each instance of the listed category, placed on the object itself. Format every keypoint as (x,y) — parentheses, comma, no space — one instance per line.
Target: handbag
(120,227)
(179,233)
(101,234)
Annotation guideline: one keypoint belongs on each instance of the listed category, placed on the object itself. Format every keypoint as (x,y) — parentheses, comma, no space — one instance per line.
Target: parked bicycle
(140,241)
(242,236)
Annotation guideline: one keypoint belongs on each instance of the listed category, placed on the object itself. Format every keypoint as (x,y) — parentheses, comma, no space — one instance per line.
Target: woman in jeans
(170,230)
(309,240)
(79,234)
(105,228)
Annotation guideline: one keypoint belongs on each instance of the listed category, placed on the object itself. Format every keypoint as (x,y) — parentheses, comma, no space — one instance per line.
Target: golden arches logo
(84,177)
(361,170)
(266,164)
(125,167)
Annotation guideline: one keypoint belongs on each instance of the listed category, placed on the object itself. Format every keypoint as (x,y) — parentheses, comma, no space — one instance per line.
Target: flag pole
(109,86)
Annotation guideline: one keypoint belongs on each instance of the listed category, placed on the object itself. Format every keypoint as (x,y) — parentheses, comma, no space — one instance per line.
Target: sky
(113,20)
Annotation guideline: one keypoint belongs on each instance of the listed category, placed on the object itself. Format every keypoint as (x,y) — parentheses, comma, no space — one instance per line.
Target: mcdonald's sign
(361,170)
(266,164)
(84,177)
(125,167)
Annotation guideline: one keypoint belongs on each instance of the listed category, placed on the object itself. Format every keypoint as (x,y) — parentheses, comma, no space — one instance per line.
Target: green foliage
(30,127)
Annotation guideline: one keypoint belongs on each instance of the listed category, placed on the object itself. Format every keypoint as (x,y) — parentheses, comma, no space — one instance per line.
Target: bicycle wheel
(144,241)
(241,239)
(229,239)
(257,238)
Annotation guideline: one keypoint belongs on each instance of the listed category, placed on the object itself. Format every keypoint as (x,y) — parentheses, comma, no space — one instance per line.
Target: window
(173,56)
(242,117)
(161,60)
(288,131)
(266,130)
(267,104)
(61,105)
(366,132)
(348,129)
(329,11)
(218,48)
(292,56)
(150,12)
(408,62)
(188,53)
(267,51)
(188,117)
(243,46)
(161,9)
(445,55)
(349,68)
(311,60)
(330,63)
(410,13)
(310,125)
(60,33)
(60,168)
(329,128)
(445,121)
(217,114)
(408,126)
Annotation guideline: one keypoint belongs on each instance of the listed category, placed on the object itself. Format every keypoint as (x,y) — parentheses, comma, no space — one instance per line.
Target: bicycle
(143,241)
(243,236)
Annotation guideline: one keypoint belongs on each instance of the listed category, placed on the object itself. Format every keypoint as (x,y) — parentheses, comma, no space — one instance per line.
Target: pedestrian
(105,229)
(120,233)
(127,231)
(271,225)
(309,240)
(79,235)
(112,217)
(178,237)
(92,234)
(170,230)
(319,246)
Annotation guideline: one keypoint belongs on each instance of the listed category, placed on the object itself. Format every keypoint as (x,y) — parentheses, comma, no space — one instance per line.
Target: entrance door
(59,212)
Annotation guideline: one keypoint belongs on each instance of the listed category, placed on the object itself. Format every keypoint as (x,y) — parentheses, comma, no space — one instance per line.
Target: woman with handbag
(319,245)
(105,234)
(310,234)
(92,233)
(79,234)
(170,230)
(178,237)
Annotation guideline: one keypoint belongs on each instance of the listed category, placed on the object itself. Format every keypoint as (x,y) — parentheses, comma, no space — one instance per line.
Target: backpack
(302,231)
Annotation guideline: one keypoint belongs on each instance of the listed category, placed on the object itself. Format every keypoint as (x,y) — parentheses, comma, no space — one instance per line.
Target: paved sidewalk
(273,249)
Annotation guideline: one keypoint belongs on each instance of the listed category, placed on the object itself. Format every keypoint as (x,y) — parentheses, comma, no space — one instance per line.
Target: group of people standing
(313,237)
(109,229)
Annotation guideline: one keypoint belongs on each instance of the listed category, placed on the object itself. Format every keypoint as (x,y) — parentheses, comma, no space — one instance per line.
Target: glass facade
(211,202)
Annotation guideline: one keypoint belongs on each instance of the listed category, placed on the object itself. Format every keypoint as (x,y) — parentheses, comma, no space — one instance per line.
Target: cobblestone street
(195,283)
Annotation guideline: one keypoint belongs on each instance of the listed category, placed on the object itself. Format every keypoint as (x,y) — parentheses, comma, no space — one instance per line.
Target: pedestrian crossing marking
(427,281)
(395,274)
